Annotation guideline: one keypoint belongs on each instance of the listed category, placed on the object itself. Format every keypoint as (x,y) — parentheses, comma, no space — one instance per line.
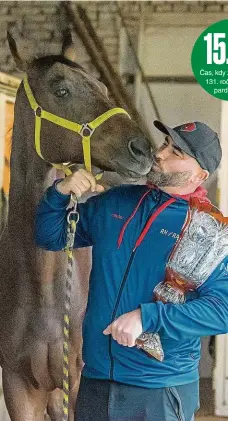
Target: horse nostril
(138,149)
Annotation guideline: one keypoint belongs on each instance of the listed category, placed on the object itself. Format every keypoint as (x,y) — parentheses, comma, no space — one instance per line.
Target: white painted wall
(167,50)
(179,103)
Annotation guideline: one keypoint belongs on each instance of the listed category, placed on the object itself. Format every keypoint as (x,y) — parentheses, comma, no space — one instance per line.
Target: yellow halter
(84,130)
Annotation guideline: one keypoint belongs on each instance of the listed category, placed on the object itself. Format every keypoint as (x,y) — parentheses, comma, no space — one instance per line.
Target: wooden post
(95,49)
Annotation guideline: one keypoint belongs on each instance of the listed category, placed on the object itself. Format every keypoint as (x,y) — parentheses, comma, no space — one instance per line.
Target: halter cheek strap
(84,130)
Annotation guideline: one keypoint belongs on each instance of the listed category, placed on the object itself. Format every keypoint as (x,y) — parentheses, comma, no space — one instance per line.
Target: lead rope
(71,231)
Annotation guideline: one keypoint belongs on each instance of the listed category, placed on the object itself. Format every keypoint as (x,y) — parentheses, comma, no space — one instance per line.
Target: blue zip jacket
(123,277)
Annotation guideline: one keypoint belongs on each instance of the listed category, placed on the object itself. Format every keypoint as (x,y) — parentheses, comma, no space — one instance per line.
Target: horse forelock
(49,61)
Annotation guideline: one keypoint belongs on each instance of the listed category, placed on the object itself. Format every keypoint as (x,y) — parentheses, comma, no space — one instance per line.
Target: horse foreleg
(23,401)
(55,399)
(55,405)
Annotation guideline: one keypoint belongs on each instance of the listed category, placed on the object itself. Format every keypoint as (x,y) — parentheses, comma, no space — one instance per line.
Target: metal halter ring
(38,111)
(86,131)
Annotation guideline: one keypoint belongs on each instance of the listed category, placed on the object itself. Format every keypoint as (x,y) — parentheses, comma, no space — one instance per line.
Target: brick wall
(41,24)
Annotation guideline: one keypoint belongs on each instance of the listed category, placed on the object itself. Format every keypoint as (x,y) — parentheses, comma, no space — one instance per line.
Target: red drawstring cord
(148,225)
(120,239)
(151,220)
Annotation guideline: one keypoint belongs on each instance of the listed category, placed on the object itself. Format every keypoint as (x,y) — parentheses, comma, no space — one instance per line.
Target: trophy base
(168,294)
(151,344)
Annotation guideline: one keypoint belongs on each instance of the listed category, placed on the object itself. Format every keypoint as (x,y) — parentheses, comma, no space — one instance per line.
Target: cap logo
(189,127)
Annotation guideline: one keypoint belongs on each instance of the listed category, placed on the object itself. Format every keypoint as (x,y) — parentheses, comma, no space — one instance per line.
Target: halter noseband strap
(84,130)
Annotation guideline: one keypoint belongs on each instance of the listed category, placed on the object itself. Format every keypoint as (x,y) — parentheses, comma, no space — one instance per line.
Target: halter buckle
(86,131)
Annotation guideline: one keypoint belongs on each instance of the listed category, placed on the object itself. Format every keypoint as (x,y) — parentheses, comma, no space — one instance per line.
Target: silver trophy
(202,245)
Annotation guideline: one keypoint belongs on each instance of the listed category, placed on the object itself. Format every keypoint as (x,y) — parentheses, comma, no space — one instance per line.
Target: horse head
(63,89)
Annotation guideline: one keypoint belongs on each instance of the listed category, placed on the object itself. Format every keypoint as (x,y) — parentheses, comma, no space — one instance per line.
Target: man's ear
(201,176)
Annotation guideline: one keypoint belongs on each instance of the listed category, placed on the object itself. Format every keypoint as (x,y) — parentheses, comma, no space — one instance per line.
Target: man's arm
(51,215)
(207,315)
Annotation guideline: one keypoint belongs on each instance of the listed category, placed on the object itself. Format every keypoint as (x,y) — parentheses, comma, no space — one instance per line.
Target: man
(133,230)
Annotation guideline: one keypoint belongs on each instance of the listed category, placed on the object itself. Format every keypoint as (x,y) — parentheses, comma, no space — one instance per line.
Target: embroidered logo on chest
(169,233)
(117,216)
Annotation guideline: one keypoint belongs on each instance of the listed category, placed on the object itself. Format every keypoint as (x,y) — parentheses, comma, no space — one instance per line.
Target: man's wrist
(59,188)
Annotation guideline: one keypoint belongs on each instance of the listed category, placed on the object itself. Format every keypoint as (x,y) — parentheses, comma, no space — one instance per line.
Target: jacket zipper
(116,307)
(123,282)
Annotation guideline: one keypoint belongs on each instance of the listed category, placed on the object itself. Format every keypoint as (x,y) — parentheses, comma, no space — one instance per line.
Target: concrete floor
(207,402)
(211,418)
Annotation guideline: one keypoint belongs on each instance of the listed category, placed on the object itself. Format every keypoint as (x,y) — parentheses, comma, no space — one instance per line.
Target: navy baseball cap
(197,140)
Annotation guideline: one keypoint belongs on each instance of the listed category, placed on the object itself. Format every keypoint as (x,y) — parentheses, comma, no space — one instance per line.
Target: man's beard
(169,179)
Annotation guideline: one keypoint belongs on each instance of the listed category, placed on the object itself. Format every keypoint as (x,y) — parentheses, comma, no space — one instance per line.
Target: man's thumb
(99,188)
(107,331)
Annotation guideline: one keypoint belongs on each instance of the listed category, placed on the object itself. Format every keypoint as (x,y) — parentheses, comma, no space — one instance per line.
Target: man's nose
(162,153)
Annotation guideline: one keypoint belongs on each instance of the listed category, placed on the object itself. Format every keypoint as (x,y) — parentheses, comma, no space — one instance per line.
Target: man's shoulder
(124,193)
(127,192)
(126,197)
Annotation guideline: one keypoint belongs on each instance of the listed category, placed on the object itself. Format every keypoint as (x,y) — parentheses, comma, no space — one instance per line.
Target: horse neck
(30,175)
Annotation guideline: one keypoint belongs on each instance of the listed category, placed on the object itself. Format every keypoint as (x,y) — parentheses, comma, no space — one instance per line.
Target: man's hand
(79,183)
(126,329)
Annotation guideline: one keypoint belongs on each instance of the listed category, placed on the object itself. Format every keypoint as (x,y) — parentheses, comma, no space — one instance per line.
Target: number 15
(218,50)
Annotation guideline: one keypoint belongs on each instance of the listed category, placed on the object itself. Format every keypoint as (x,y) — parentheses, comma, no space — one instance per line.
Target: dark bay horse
(32,281)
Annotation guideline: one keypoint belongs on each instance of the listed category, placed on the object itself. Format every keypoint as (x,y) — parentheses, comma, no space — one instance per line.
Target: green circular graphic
(210,59)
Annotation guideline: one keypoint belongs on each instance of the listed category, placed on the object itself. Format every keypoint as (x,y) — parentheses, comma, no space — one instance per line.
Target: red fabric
(200,193)
(189,127)
(120,239)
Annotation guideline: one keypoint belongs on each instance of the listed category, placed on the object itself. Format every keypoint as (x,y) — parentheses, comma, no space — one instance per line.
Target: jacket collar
(200,193)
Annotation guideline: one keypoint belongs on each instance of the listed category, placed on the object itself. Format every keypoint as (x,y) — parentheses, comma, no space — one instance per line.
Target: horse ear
(20,63)
(68,47)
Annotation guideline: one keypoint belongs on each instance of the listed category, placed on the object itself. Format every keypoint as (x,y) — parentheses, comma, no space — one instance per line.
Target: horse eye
(61,92)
